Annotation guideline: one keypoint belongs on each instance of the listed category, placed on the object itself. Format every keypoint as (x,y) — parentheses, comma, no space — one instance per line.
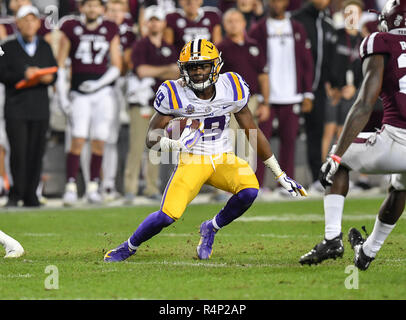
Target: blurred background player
(346,74)
(93,45)
(116,10)
(153,61)
(285,43)
(205,153)
(192,21)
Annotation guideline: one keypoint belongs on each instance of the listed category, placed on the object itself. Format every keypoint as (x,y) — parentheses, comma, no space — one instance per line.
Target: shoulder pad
(239,87)
(167,100)
(67,19)
(375,43)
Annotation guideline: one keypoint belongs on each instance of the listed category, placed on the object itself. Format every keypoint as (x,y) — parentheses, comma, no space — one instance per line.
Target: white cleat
(13,248)
(70,197)
(92,193)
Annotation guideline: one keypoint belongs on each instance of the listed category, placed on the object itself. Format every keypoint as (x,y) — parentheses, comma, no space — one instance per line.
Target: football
(176,126)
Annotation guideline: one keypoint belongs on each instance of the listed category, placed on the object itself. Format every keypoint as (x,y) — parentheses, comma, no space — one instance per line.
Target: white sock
(333,212)
(133,248)
(109,166)
(215,225)
(375,241)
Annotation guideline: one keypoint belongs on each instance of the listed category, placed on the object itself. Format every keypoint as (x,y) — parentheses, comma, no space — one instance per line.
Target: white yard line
(304,217)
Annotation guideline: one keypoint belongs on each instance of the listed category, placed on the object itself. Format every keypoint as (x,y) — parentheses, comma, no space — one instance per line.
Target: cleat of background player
(70,197)
(361,260)
(120,253)
(92,193)
(205,247)
(327,249)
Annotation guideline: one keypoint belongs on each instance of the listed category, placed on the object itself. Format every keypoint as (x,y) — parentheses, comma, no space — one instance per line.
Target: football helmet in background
(393,15)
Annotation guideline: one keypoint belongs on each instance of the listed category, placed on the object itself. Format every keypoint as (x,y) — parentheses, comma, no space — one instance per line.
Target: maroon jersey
(11,28)
(46,26)
(127,35)
(186,30)
(393,92)
(9,23)
(89,50)
(247,59)
(144,52)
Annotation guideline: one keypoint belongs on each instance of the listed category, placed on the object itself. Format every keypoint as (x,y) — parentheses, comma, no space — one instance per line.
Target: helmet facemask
(216,65)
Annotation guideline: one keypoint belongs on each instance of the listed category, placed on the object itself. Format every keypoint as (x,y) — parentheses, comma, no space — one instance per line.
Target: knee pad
(247,196)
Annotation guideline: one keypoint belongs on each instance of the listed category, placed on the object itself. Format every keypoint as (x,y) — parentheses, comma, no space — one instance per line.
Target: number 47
(85,51)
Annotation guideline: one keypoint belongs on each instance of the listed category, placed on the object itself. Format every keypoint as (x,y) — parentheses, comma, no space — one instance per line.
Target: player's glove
(189,138)
(294,188)
(64,104)
(89,86)
(328,169)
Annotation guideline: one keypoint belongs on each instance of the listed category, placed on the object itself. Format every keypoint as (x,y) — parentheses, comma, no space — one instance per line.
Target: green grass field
(256,257)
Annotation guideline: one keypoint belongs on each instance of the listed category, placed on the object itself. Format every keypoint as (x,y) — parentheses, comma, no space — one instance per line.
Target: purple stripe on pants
(288,128)
(167,186)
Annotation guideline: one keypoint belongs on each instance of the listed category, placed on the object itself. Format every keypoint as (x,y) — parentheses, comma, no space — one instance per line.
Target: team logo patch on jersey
(254,51)
(398,20)
(122,28)
(78,30)
(297,36)
(103,30)
(166,52)
(206,22)
(190,109)
(181,23)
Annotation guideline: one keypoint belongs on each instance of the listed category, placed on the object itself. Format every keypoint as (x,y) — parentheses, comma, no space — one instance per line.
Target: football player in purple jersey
(93,45)
(383,152)
(192,21)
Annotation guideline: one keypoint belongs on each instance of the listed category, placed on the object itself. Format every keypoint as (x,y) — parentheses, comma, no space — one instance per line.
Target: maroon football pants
(288,128)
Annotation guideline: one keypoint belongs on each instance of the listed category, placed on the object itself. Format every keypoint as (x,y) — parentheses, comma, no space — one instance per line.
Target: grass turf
(255,257)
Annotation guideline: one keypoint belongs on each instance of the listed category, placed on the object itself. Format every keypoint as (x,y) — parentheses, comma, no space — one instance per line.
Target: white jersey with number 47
(231,95)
